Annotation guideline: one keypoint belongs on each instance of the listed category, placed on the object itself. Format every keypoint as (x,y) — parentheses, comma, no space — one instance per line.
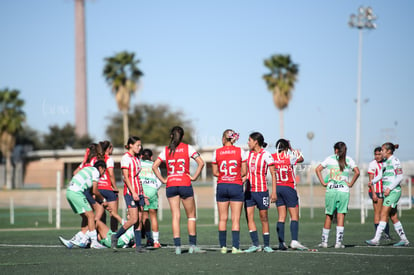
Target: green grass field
(29,249)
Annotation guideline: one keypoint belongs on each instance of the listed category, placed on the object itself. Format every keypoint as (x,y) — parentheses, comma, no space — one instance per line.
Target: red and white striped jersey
(285,174)
(373,168)
(257,166)
(229,160)
(178,164)
(133,165)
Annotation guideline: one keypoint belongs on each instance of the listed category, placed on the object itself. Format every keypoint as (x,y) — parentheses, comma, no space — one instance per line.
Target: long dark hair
(391,146)
(282,145)
(105,145)
(259,138)
(176,136)
(146,154)
(131,140)
(341,147)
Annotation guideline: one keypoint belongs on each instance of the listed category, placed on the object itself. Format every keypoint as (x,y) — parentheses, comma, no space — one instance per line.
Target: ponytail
(391,146)
(176,136)
(340,150)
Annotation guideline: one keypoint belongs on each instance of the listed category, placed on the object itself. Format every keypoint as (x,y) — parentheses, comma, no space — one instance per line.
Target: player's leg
(153,213)
(280,225)
(398,228)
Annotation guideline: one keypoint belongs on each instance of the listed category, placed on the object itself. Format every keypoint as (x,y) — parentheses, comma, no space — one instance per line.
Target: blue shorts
(109,195)
(89,197)
(182,191)
(259,199)
(229,192)
(379,195)
(287,196)
(130,202)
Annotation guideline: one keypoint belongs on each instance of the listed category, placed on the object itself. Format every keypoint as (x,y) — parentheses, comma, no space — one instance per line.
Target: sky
(205,58)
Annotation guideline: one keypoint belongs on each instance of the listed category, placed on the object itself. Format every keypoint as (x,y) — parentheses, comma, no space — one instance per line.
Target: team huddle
(241,183)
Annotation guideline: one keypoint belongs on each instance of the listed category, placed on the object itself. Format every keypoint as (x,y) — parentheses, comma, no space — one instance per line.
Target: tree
(11,120)
(122,74)
(150,123)
(281,82)
(60,138)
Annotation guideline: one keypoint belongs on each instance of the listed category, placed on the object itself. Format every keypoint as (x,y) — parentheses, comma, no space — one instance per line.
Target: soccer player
(229,166)
(177,158)
(391,175)
(105,236)
(133,193)
(376,190)
(337,186)
(151,185)
(259,162)
(287,196)
(86,179)
(107,185)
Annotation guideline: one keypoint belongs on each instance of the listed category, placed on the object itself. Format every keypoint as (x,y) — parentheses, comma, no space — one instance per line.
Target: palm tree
(122,74)
(11,122)
(281,81)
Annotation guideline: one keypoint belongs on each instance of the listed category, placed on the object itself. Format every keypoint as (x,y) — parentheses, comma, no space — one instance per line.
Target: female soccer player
(229,166)
(376,190)
(287,196)
(151,185)
(133,193)
(337,190)
(259,162)
(85,180)
(177,158)
(391,175)
(107,185)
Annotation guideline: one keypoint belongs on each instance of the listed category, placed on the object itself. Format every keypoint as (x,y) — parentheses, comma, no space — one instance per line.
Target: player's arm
(200,163)
(157,172)
(273,196)
(318,171)
(112,178)
(96,192)
(371,187)
(215,169)
(355,177)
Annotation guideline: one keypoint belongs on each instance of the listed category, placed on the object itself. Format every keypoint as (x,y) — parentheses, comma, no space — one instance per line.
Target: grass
(25,248)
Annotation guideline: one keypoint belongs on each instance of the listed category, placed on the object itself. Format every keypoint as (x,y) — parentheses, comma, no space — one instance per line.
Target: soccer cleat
(157,245)
(253,248)
(339,245)
(268,249)
(150,242)
(177,250)
(141,249)
(372,242)
(82,244)
(65,242)
(236,251)
(297,246)
(97,245)
(114,242)
(283,246)
(223,250)
(195,250)
(386,237)
(323,245)
(402,243)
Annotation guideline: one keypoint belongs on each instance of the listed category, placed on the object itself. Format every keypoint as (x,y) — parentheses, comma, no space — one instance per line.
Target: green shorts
(78,202)
(336,200)
(392,199)
(152,194)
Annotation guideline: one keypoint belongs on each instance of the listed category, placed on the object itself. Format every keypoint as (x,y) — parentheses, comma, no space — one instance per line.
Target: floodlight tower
(363,20)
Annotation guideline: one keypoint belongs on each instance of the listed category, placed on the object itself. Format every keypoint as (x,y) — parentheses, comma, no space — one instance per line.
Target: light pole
(363,20)
(310,136)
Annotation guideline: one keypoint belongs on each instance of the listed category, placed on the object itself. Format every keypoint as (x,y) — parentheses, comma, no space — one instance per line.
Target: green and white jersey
(84,179)
(392,174)
(337,179)
(147,176)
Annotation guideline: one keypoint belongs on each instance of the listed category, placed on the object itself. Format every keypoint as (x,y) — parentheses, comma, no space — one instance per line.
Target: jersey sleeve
(268,158)
(95,175)
(110,163)
(125,162)
(325,163)
(351,163)
(162,155)
(244,155)
(214,161)
(192,153)
(372,167)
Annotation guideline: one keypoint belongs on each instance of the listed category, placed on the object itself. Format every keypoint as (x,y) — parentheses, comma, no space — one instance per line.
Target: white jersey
(84,179)
(147,176)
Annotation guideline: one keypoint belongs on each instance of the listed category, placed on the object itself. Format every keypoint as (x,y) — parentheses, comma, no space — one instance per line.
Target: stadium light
(362,20)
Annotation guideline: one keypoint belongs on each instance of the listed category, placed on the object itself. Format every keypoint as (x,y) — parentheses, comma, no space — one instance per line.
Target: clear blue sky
(205,58)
